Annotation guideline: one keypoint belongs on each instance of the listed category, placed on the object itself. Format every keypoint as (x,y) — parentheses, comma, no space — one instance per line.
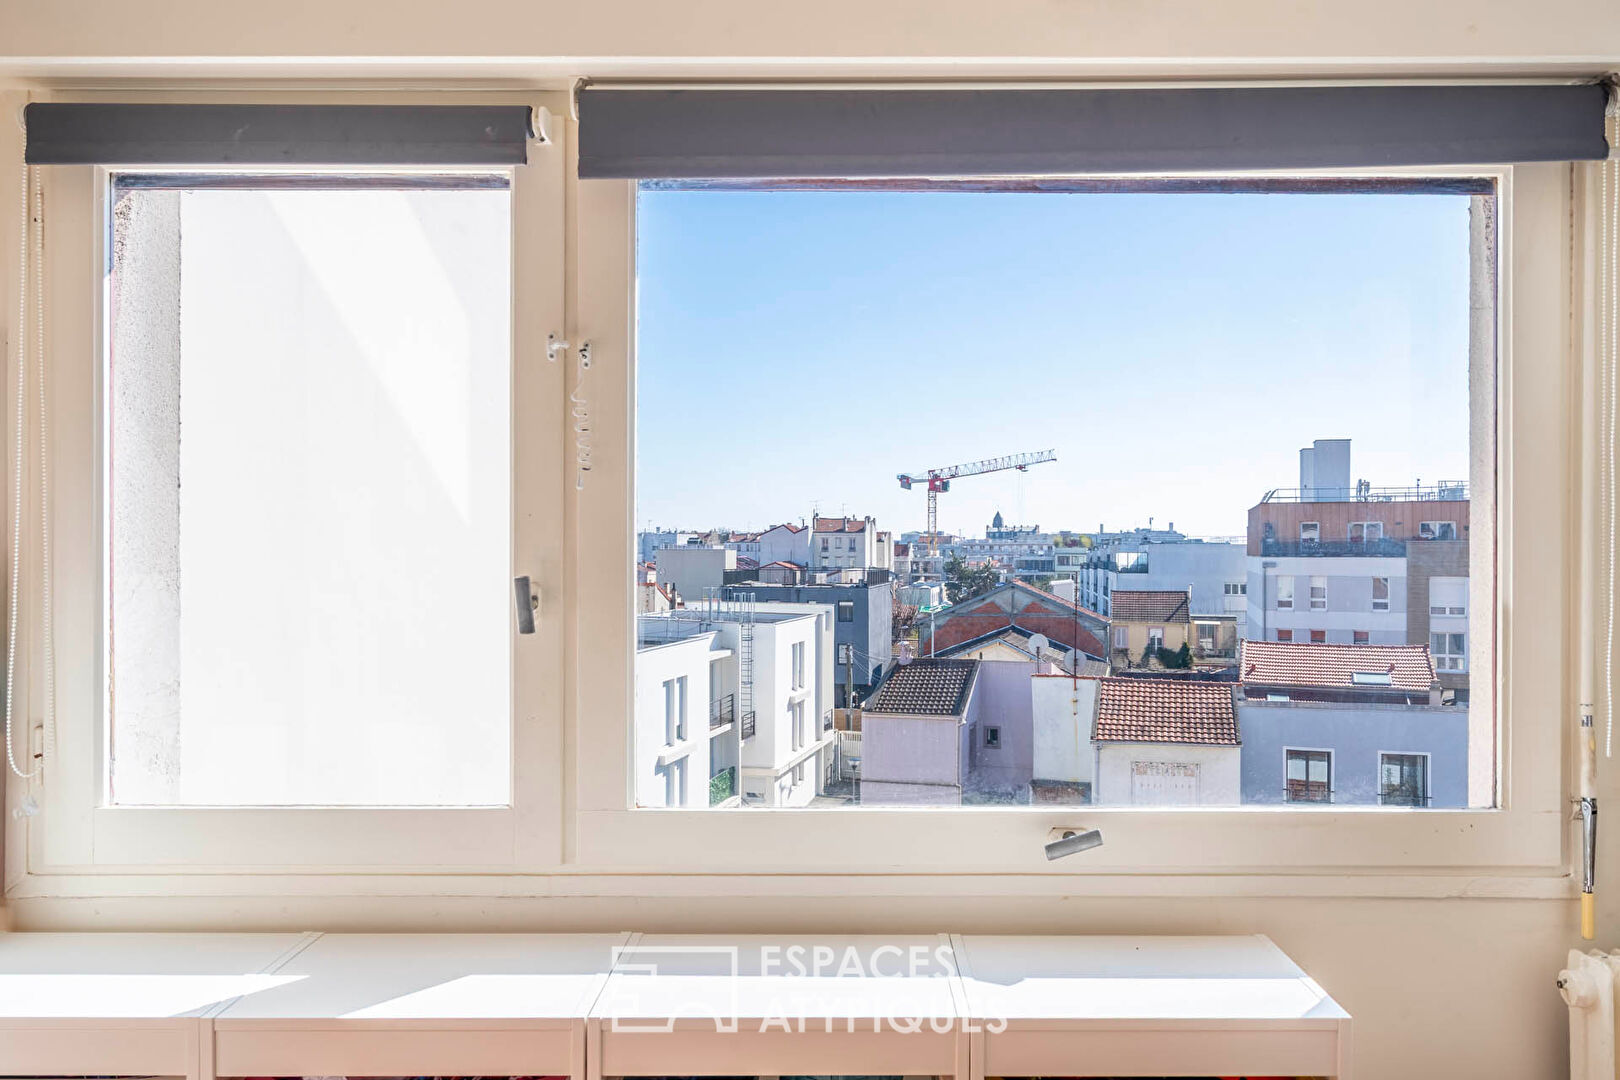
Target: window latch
(528,602)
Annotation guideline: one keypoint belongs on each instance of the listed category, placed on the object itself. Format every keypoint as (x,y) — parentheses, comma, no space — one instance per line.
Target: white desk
(730,1005)
(1146,1006)
(421,1004)
(124,1004)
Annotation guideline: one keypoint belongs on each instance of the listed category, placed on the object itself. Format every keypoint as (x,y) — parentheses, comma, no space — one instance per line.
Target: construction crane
(939,480)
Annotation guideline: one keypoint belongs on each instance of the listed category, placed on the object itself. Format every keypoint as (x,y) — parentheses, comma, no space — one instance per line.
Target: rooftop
(1150,605)
(1441,491)
(1298,663)
(1162,711)
(838,524)
(927,687)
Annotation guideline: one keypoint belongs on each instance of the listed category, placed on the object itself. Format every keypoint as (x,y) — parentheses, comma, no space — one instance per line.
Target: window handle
(528,602)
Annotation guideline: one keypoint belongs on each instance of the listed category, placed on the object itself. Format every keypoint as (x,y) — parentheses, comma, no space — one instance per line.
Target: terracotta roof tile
(1300,663)
(1149,605)
(927,687)
(838,524)
(1161,711)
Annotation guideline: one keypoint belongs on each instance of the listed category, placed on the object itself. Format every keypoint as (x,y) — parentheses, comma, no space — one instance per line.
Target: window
(1155,637)
(1448,596)
(798,665)
(1206,636)
(1380,594)
(1360,637)
(1309,532)
(846,611)
(1122,637)
(1365,531)
(1237,588)
(1318,637)
(1285,592)
(1449,651)
(1437,530)
(992,737)
(1308,775)
(1285,635)
(1318,593)
(308,491)
(675,782)
(1403,779)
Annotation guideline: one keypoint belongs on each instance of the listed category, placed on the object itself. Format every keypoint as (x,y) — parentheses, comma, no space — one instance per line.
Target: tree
(964,582)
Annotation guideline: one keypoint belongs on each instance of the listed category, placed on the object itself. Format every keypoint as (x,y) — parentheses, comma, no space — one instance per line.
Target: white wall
(655,665)
(1065,712)
(1220,775)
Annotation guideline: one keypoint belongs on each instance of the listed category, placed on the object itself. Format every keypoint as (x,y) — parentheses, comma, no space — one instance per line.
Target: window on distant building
(1309,532)
(1308,775)
(1318,593)
(1450,651)
(1206,636)
(1365,531)
(1318,637)
(1403,779)
(1448,596)
(846,611)
(1155,637)
(1285,592)
(1380,594)
(1437,530)
(1285,635)
(1360,637)
(1122,637)
(798,665)
(992,737)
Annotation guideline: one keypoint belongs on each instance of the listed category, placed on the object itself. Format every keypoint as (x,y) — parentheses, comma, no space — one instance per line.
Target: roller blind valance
(62,133)
(640,133)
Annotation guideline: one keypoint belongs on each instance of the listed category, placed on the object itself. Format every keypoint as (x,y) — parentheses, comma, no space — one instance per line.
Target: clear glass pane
(999,452)
(308,492)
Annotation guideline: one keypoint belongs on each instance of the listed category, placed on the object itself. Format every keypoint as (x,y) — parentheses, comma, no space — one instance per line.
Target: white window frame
(1434,528)
(1428,770)
(1526,834)
(1315,528)
(1282,603)
(572,819)
(1376,578)
(79,837)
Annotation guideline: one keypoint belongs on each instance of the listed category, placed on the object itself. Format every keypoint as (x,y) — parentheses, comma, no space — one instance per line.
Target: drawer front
(394,1048)
(703,1051)
(1162,1051)
(99,1048)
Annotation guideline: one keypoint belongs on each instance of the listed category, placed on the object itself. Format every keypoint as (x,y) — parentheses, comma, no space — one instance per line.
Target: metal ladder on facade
(745,661)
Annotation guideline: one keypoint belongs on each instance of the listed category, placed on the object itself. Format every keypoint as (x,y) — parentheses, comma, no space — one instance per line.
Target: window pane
(1115,606)
(308,492)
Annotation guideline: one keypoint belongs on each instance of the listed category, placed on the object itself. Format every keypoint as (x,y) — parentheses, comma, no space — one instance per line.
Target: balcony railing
(1443,491)
(722,711)
(722,785)
(748,727)
(1332,548)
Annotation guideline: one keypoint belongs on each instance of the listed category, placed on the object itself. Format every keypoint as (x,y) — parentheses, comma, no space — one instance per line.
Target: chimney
(1434,692)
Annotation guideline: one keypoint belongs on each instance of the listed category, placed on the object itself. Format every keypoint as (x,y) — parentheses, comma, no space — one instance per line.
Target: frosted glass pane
(309,497)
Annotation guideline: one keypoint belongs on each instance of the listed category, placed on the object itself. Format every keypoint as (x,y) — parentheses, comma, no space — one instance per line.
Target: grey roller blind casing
(63,133)
(811,133)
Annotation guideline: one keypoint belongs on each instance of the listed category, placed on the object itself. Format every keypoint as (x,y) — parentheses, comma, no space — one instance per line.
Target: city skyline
(1291,309)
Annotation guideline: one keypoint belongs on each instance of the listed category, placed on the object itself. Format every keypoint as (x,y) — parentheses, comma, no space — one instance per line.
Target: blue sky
(797,350)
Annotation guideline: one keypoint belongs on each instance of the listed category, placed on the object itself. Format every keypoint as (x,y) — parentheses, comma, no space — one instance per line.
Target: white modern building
(839,542)
(766,671)
(1216,572)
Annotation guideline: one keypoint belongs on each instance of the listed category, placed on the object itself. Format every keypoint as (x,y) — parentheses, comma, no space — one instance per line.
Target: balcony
(1333,549)
(722,711)
(1444,491)
(748,726)
(722,785)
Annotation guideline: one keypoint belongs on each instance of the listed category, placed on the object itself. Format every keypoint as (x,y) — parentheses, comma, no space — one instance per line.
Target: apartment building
(1349,725)
(762,678)
(1216,573)
(843,542)
(1336,562)
(863,620)
(1146,621)
(694,572)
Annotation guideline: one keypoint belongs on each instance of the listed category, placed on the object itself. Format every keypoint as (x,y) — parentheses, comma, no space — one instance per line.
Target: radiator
(1588,985)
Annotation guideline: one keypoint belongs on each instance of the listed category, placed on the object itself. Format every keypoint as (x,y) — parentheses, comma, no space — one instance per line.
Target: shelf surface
(437,976)
(1215,977)
(133,976)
